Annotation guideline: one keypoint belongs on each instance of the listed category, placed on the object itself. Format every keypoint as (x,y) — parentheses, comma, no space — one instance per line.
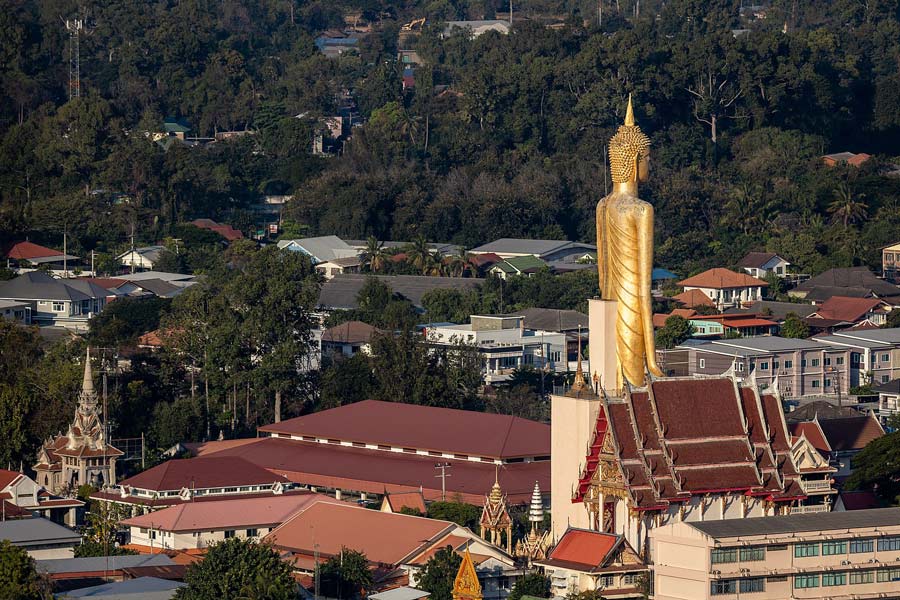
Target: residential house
(341,292)
(22,257)
(67,303)
(660,277)
(40,538)
(198,525)
(888,399)
(741,325)
(476,29)
(21,491)
(334,43)
(546,250)
(846,437)
(443,248)
(329,254)
(141,258)
(850,311)
(505,345)
(890,262)
(396,545)
(226,231)
(591,561)
(518,265)
(404,501)
(845,158)
(408,57)
(140,588)
(856,500)
(875,353)
(66,573)
(853,282)
(822,555)
(800,367)
(726,288)
(347,339)
(694,299)
(177,128)
(366,449)
(400,593)
(570,322)
(760,264)
(179,481)
(16,310)
(775,311)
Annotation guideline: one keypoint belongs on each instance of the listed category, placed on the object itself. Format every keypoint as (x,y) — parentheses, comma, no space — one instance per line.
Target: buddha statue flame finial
(627,148)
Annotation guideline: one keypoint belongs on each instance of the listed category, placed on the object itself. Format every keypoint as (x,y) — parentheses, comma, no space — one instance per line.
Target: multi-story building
(505,345)
(875,353)
(826,555)
(890,262)
(726,288)
(801,367)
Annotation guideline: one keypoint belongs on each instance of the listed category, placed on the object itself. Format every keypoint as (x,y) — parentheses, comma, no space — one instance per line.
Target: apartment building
(801,367)
(853,554)
(875,353)
(505,344)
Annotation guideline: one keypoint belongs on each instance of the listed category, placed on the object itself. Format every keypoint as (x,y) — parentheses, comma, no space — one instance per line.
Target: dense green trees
(675,331)
(531,584)
(346,576)
(19,580)
(439,572)
(876,467)
(238,568)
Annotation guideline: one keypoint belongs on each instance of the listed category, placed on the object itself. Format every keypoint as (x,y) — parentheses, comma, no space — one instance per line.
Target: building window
(754,553)
(885,575)
(252,533)
(858,546)
(858,577)
(885,358)
(815,362)
(725,586)
(724,555)
(740,367)
(774,365)
(827,383)
(605,581)
(805,581)
(754,584)
(804,550)
(885,378)
(764,366)
(631,579)
(702,363)
(802,363)
(832,548)
(58,307)
(827,361)
(839,360)
(815,383)
(833,579)
(788,364)
(229,533)
(554,357)
(889,543)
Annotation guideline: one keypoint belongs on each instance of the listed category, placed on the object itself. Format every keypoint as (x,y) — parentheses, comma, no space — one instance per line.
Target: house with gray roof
(41,538)
(141,588)
(546,250)
(67,303)
(875,352)
(320,249)
(141,258)
(341,291)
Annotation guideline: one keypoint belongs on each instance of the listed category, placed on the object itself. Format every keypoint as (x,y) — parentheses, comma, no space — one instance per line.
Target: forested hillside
(510,143)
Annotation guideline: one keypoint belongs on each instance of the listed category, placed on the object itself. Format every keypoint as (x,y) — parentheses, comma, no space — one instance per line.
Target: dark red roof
(587,549)
(851,433)
(813,433)
(29,250)
(861,500)
(843,308)
(201,473)
(379,471)
(719,278)
(693,298)
(424,428)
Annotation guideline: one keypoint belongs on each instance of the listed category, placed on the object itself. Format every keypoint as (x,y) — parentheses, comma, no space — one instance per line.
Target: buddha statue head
(629,151)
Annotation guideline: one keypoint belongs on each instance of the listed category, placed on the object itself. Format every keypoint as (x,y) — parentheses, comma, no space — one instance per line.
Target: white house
(504,344)
(67,303)
(22,491)
(726,288)
(760,264)
(16,310)
(141,258)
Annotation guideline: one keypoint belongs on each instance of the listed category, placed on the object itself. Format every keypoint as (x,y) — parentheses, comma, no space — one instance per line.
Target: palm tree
(459,264)
(848,207)
(374,255)
(418,254)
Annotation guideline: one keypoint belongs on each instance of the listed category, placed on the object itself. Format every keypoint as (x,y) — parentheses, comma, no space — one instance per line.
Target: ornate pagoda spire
(535,545)
(536,510)
(87,401)
(466,585)
(495,517)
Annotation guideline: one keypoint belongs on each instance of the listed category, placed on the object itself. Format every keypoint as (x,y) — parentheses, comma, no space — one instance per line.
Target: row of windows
(730,555)
(733,586)
(836,548)
(855,578)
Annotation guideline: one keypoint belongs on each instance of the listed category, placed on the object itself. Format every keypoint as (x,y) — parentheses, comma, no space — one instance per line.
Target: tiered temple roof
(679,438)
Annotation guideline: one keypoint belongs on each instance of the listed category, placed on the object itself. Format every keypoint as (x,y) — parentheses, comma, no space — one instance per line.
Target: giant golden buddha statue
(625,254)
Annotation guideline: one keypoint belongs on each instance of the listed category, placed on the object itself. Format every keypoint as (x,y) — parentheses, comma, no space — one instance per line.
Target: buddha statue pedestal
(602,316)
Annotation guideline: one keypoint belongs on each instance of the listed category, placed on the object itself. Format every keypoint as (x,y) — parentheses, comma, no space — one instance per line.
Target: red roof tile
(680,401)
(851,433)
(29,250)
(843,308)
(861,500)
(201,473)
(722,279)
(813,433)
(424,428)
(589,549)
(7,477)
(350,332)
(410,500)
(693,298)
(385,538)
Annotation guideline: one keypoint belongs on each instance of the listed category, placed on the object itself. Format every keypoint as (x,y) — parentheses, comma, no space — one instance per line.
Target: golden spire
(629,113)
(466,585)
(579,382)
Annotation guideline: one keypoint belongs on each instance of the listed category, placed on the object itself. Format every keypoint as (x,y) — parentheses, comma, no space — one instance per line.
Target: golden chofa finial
(627,148)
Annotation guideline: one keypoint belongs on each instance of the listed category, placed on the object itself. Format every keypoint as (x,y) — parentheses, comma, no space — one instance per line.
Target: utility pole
(444,475)
(510,13)
(132,248)
(65,255)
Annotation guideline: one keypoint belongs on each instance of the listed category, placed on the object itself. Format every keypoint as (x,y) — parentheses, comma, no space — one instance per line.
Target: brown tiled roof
(349,332)
(586,550)
(851,433)
(385,538)
(756,259)
(379,471)
(411,500)
(425,428)
(200,473)
(719,278)
(860,500)
(813,433)
(843,308)
(29,250)
(693,298)
(7,477)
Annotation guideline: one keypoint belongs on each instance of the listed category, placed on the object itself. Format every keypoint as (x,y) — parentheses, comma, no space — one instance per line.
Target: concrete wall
(572,420)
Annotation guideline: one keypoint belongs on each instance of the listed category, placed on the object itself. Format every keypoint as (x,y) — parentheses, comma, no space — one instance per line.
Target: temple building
(83,455)
(678,449)
(534,545)
(466,585)
(495,519)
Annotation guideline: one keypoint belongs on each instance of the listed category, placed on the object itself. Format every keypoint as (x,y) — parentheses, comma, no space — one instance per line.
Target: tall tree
(439,572)
(239,568)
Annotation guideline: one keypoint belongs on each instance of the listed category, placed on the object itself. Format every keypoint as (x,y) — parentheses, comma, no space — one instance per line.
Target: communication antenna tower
(74,27)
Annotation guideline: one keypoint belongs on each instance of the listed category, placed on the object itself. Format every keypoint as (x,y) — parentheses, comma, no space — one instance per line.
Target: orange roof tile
(400,500)
(586,548)
(844,308)
(720,278)
(29,250)
(693,298)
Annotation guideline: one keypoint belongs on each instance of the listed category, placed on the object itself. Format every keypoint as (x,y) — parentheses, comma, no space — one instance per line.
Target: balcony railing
(816,486)
(814,508)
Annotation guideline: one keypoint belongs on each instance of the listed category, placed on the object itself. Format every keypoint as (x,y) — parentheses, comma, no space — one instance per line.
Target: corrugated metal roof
(102,563)
(28,532)
(828,521)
